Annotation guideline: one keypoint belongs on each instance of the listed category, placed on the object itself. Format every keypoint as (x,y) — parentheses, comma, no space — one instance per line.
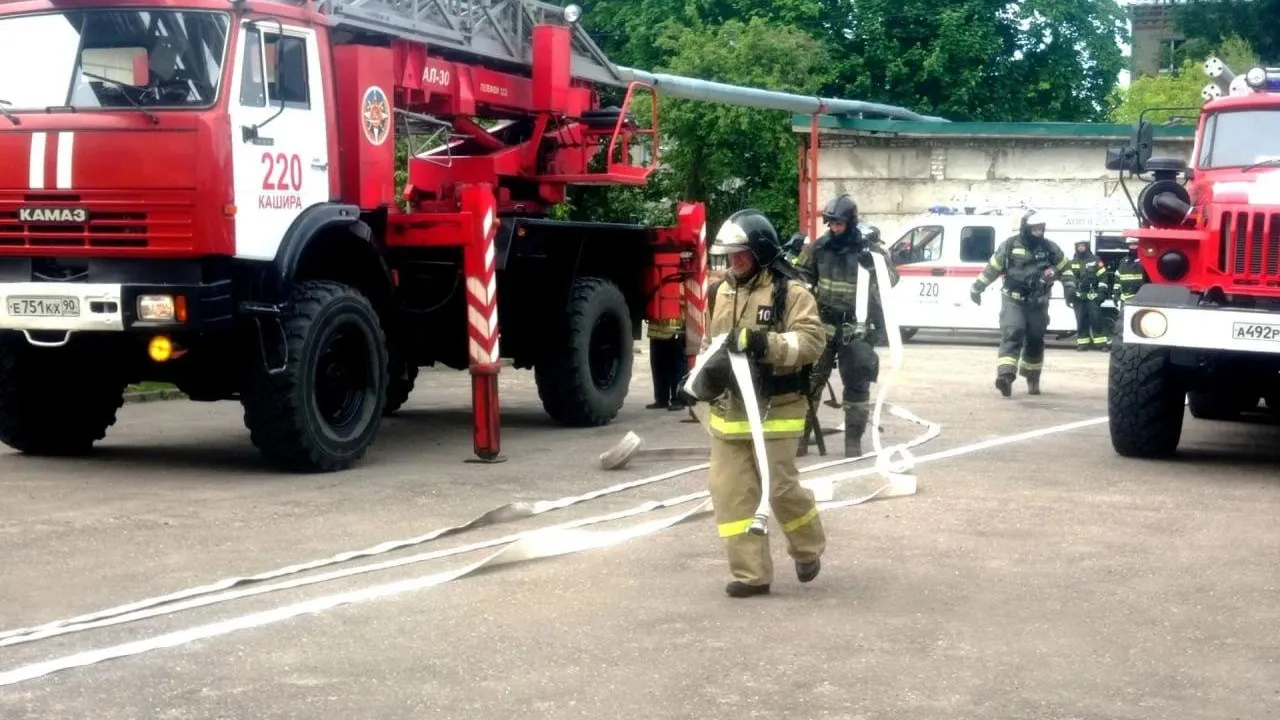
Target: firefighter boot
(739,589)
(806,572)
(1033,385)
(855,424)
(1004,382)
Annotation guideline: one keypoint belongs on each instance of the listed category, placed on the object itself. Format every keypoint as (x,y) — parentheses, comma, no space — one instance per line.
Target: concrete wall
(896,177)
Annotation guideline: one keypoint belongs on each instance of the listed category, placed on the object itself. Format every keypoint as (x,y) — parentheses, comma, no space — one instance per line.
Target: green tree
(982,59)
(1211,23)
(1182,87)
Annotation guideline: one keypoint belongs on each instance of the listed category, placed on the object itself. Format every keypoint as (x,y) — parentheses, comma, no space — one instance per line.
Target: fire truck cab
(1205,329)
(204,192)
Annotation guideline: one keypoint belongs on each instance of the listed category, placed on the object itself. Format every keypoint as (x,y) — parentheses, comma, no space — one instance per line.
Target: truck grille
(1250,248)
(114,221)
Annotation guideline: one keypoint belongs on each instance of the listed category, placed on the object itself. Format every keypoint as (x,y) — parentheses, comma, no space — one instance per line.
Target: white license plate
(43,306)
(1255,331)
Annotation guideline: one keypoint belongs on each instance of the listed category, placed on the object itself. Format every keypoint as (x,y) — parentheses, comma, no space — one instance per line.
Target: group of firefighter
(792,312)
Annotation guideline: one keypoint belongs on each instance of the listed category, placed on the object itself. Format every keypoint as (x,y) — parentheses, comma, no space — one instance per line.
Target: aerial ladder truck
(204,193)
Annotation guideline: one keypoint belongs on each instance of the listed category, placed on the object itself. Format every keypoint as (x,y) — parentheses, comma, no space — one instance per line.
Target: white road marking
(544,542)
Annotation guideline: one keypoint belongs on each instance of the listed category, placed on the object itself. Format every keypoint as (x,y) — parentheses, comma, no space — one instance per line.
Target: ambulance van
(940,254)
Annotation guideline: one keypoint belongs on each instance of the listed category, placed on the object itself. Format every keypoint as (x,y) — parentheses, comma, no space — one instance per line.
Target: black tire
(399,387)
(584,380)
(908,333)
(286,412)
(1145,402)
(55,401)
(1220,406)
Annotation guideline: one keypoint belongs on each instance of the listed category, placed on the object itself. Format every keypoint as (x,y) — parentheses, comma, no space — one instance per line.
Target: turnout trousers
(1022,328)
(1090,329)
(735,494)
(859,366)
(668,365)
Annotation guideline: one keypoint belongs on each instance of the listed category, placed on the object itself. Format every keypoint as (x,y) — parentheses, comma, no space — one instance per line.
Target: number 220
(286,169)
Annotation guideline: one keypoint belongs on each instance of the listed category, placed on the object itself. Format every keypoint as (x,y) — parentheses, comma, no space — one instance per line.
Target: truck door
(279,135)
(918,257)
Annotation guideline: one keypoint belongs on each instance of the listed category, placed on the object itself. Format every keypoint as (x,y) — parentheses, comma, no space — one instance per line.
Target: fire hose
(560,539)
(895,471)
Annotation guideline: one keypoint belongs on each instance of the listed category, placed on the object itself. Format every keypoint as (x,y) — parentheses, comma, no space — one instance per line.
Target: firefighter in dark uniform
(830,266)
(1030,264)
(1091,289)
(1129,276)
(773,320)
(667,362)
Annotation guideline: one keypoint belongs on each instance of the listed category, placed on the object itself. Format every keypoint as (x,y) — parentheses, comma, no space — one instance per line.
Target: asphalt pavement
(1043,578)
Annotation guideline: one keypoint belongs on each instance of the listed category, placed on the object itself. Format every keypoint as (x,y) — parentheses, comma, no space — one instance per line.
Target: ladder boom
(496,30)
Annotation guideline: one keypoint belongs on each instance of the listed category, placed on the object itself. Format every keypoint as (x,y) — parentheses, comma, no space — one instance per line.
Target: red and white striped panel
(695,293)
(482,299)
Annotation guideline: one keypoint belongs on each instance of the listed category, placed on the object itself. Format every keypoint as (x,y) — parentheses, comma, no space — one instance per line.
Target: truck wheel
(1144,402)
(54,402)
(399,387)
(322,411)
(1220,406)
(584,380)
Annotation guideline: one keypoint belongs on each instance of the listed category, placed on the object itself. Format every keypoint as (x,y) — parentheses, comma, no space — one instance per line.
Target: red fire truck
(1205,329)
(202,192)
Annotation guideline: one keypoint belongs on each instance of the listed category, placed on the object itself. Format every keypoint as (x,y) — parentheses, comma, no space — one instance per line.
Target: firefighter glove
(752,343)
(975,295)
(1070,298)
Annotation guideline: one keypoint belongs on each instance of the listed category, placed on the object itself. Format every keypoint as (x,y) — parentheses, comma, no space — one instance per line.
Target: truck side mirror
(1140,145)
(1116,158)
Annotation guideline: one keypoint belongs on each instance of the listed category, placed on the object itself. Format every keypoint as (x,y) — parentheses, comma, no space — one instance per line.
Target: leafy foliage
(1212,23)
(991,60)
(1182,87)
(986,59)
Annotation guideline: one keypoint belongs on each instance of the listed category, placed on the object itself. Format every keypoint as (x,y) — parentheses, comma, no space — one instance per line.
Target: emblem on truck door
(53,215)
(376,113)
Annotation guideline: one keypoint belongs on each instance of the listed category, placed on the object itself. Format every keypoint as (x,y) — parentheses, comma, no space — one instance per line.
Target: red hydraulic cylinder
(480,270)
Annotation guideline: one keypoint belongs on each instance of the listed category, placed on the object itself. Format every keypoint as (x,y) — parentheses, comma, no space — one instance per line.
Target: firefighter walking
(831,267)
(774,322)
(1091,290)
(1030,264)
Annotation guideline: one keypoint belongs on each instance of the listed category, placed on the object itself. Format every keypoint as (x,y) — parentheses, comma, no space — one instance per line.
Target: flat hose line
(531,544)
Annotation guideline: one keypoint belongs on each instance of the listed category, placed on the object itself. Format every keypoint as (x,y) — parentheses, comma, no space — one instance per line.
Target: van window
(920,244)
(977,244)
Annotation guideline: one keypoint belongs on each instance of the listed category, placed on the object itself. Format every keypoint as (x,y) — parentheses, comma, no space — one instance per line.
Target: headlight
(156,308)
(1150,324)
(572,13)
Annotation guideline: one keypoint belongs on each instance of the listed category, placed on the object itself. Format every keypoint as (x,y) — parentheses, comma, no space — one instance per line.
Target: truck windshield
(1238,138)
(117,58)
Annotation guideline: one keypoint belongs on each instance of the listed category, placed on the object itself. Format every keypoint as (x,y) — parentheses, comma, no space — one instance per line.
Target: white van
(939,255)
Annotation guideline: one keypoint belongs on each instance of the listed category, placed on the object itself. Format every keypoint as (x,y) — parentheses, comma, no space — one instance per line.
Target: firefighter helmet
(748,230)
(841,208)
(1033,219)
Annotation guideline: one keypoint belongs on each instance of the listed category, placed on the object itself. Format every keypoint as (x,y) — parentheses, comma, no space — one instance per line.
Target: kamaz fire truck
(202,192)
(1204,330)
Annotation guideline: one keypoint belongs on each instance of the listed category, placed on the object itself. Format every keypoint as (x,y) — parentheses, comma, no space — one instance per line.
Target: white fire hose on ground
(560,539)
(898,482)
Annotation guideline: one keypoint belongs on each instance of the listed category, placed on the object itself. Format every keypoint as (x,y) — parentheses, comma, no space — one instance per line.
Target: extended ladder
(498,30)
